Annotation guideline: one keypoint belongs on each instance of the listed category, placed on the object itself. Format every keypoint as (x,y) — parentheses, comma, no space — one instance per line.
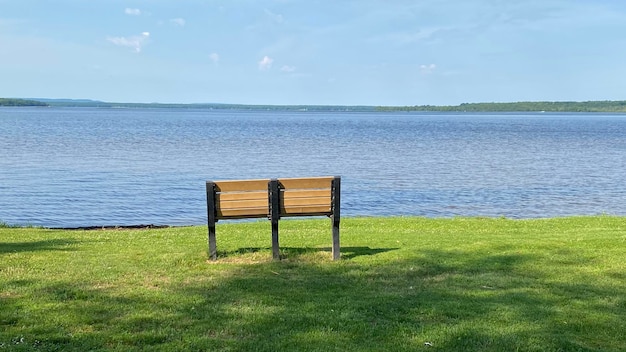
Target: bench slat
(230,196)
(243,204)
(241,213)
(241,185)
(305,193)
(304,210)
(309,182)
(306,201)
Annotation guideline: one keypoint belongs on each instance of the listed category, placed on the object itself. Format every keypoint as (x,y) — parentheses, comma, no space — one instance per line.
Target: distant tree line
(526,106)
(20,102)
(210,106)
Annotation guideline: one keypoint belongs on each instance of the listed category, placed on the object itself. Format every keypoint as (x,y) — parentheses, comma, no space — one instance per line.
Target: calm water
(96,167)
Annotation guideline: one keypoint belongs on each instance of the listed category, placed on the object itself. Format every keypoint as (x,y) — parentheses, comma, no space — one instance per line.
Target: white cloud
(136,42)
(287,68)
(274,17)
(265,63)
(132,12)
(427,34)
(178,22)
(426,69)
(214,57)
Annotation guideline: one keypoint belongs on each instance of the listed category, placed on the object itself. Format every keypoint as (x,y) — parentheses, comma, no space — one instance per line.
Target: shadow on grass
(33,246)
(452,300)
(297,252)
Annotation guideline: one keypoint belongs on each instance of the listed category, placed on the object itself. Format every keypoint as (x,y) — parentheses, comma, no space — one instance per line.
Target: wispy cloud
(265,63)
(427,69)
(421,35)
(178,22)
(136,42)
(132,12)
(214,57)
(274,17)
(287,68)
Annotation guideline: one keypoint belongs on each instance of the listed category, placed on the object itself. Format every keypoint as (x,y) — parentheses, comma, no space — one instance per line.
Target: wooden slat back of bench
(305,196)
(241,199)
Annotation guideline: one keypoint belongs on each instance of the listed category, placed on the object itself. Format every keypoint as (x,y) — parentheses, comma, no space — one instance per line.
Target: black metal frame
(211,198)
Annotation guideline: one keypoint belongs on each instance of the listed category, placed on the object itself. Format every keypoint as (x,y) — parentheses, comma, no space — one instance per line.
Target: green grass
(403,284)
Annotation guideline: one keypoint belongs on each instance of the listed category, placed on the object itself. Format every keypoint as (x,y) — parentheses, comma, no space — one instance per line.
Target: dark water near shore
(69,167)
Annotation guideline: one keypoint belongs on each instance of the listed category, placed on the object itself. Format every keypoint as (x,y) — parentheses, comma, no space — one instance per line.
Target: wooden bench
(275,198)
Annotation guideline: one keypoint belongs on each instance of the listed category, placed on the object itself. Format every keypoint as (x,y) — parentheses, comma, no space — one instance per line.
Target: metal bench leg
(212,244)
(336,216)
(210,200)
(336,250)
(274,204)
(275,246)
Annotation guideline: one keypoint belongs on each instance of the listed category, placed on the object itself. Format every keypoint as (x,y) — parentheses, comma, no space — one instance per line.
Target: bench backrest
(238,199)
(305,196)
(241,199)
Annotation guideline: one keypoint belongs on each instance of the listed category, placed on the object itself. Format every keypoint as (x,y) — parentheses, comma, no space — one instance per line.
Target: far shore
(607,106)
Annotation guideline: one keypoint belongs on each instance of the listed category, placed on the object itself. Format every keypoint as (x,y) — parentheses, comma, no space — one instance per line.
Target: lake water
(70,167)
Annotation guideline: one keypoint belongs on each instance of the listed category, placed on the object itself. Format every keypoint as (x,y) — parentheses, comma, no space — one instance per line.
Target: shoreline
(4,225)
(115,227)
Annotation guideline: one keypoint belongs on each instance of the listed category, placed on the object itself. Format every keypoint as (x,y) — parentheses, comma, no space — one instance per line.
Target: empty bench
(274,199)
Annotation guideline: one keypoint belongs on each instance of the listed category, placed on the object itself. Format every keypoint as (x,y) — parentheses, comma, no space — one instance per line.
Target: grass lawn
(403,284)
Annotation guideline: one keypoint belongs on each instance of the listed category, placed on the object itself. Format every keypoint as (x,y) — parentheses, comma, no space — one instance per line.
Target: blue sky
(343,52)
